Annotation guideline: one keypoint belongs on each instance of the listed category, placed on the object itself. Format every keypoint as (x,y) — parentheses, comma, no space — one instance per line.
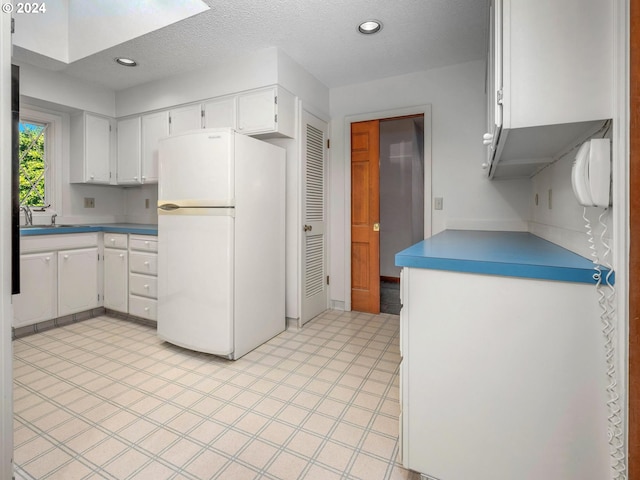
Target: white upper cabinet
(90,155)
(267,112)
(154,127)
(128,151)
(220,113)
(185,118)
(550,78)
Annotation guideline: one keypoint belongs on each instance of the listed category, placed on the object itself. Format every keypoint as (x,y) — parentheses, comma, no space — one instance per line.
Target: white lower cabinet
(37,301)
(77,280)
(143,271)
(116,272)
(501,377)
(59,276)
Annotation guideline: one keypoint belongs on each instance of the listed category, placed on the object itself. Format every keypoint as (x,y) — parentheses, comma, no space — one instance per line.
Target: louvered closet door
(314,243)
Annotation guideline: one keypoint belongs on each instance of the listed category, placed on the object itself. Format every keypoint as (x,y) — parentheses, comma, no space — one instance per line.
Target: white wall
(313,94)
(135,200)
(458,101)
(58,88)
(255,70)
(563,223)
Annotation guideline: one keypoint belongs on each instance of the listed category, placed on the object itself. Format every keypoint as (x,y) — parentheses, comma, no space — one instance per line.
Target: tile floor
(105,398)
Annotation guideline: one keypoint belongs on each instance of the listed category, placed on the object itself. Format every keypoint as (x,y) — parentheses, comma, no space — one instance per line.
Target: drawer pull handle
(146,263)
(47,259)
(66,257)
(146,309)
(122,255)
(146,286)
(112,240)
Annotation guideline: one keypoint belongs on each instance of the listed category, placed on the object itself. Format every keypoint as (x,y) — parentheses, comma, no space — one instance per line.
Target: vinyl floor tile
(106,399)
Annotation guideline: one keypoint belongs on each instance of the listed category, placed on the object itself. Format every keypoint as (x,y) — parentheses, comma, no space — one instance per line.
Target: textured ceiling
(321,35)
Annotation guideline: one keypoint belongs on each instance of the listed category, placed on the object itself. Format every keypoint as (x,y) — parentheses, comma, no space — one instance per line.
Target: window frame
(53,156)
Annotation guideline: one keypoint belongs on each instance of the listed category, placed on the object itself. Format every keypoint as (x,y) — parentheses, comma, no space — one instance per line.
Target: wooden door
(365,216)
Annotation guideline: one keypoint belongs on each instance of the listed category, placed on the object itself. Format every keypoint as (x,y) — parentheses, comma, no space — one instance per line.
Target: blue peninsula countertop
(138,228)
(511,254)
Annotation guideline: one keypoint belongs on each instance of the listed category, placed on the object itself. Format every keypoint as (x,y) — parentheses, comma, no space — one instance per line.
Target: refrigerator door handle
(168,206)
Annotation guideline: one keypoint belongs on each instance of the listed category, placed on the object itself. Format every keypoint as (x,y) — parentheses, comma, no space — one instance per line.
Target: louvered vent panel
(314,281)
(315,175)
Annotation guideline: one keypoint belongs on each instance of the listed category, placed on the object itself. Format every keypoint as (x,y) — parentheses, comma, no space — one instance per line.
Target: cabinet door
(154,127)
(185,118)
(77,280)
(257,111)
(90,155)
(129,151)
(37,300)
(220,113)
(116,273)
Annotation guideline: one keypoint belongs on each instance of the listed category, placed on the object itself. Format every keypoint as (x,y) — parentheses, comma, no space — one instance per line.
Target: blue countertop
(139,228)
(511,254)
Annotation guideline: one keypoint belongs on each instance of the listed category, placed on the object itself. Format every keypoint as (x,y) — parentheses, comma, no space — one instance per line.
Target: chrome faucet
(53,219)
(28,216)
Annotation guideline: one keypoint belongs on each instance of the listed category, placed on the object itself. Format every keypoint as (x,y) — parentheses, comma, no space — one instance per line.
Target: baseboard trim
(389,279)
(20,332)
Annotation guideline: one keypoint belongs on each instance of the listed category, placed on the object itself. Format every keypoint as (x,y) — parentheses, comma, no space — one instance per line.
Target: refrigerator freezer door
(195,279)
(196,168)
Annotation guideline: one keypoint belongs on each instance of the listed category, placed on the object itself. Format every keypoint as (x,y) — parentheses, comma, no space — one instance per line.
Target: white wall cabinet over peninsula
(91,152)
(550,80)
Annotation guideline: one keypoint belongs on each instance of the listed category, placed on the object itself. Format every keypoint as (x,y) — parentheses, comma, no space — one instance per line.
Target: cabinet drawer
(144,243)
(143,285)
(115,240)
(143,263)
(143,307)
(67,241)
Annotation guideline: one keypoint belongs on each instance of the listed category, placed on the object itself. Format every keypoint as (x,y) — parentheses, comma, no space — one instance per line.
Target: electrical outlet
(437,203)
(146,203)
(89,202)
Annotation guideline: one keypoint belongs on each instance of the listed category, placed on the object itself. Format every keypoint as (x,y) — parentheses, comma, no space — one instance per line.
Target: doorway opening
(387,206)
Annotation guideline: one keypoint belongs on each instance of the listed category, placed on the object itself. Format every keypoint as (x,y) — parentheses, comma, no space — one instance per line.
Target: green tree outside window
(33,164)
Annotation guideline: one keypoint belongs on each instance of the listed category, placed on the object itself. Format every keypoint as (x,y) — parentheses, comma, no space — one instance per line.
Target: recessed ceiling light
(370,26)
(126,62)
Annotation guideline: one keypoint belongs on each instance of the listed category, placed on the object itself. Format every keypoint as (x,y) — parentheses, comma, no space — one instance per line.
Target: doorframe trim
(383,115)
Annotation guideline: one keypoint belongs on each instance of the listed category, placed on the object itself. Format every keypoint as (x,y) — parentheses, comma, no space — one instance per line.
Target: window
(33,164)
(41,152)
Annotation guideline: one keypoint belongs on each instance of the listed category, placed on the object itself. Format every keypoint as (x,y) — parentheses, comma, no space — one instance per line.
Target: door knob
(308,228)
(376,227)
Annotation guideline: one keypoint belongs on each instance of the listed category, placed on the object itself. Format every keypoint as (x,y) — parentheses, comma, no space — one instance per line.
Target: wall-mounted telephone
(591,173)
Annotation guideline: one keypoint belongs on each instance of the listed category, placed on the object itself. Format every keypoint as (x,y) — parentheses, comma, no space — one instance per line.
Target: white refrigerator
(221,237)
